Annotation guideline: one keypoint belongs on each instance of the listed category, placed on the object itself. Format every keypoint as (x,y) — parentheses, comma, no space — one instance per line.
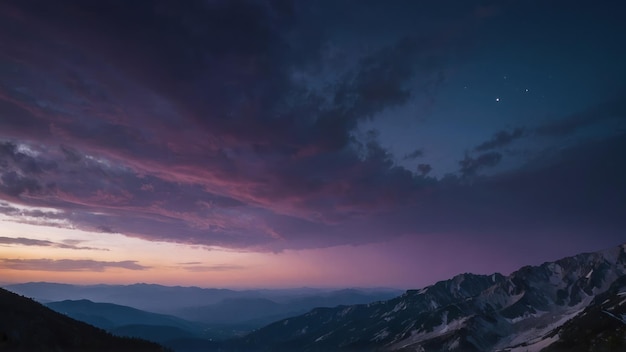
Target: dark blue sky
(265,126)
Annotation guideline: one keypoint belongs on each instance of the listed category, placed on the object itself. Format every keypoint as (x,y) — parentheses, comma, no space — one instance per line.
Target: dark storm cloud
(71,155)
(233,123)
(14,185)
(11,156)
(19,171)
(43,243)
(381,81)
(569,195)
(578,185)
(500,139)
(68,265)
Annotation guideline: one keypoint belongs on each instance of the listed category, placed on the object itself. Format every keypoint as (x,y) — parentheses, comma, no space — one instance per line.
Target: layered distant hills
(217,308)
(26,325)
(198,316)
(573,304)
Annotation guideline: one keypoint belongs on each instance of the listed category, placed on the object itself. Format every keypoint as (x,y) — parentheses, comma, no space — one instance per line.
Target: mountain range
(224,312)
(575,303)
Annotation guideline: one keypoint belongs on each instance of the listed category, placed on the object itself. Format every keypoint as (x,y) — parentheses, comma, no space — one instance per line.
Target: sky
(307,143)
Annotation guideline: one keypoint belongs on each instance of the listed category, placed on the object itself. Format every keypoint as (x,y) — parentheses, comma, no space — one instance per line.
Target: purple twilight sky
(354,142)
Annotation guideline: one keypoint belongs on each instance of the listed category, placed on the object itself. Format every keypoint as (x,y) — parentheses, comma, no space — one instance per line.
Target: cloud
(19,169)
(13,184)
(612,109)
(72,244)
(105,229)
(424,169)
(470,166)
(414,154)
(68,265)
(34,215)
(218,180)
(234,124)
(500,139)
(217,267)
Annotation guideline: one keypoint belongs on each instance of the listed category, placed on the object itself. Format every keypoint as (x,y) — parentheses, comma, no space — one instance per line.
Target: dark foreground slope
(26,325)
(576,303)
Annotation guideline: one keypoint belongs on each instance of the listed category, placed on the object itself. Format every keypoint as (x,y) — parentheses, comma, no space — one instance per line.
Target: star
(497,99)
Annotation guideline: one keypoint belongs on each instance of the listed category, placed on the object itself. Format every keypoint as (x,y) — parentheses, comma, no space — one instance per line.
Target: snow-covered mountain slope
(534,308)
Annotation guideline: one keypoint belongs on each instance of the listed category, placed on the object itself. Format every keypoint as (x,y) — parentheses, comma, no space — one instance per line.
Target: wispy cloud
(68,265)
(197,267)
(68,244)
(500,139)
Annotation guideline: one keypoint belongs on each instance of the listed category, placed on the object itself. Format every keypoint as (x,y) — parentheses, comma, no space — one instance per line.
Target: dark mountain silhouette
(26,325)
(576,301)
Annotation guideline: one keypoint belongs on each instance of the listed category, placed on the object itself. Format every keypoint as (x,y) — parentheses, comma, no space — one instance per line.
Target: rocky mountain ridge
(528,310)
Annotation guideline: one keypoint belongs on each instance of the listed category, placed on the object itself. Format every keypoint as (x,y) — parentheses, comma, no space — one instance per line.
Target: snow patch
(419,335)
(525,316)
(382,334)
(323,337)
(620,318)
(534,335)
(455,344)
(398,307)
(535,346)
(347,310)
